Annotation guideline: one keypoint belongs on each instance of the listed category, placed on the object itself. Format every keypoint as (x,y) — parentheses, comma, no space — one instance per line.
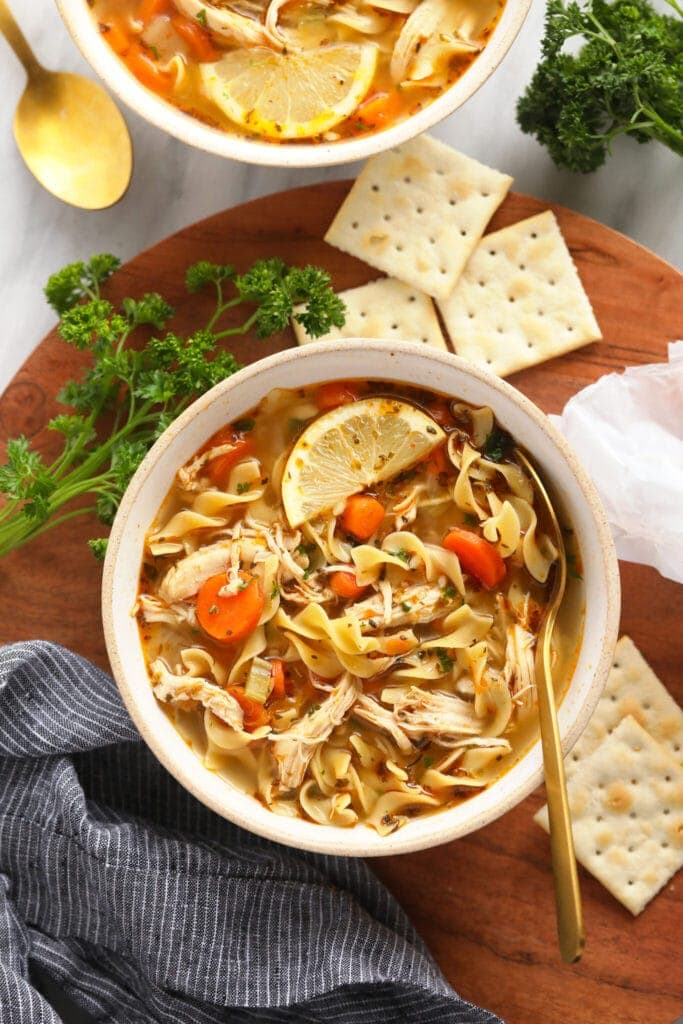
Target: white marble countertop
(638,192)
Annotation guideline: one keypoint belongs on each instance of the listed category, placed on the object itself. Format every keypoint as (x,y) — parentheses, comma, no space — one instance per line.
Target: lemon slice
(351,447)
(290,95)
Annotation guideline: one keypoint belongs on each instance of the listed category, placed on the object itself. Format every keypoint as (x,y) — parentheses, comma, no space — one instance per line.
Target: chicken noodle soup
(298,69)
(340,599)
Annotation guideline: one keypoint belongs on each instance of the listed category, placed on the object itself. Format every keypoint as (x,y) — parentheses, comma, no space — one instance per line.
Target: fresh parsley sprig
(129,394)
(626,79)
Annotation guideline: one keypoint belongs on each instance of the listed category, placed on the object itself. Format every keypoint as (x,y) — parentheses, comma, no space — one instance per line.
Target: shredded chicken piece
(431,713)
(519,671)
(182,689)
(421,603)
(370,710)
(294,749)
(234,27)
(187,475)
(155,610)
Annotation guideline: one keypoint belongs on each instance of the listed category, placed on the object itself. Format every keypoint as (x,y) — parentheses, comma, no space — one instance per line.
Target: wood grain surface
(484,903)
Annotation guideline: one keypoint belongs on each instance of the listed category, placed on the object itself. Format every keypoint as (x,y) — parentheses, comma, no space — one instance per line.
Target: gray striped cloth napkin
(138,904)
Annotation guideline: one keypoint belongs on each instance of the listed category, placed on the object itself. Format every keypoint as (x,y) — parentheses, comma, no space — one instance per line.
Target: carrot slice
(335,393)
(362,515)
(255,715)
(149,9)
(233,617)
(345,585)
(380,109)
(141,62)
(277,674)
(114,31)
(477,556)
(196,37)
(397,645)
(218,470)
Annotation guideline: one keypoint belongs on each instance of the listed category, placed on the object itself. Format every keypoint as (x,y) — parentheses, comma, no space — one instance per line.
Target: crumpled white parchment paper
(627,430)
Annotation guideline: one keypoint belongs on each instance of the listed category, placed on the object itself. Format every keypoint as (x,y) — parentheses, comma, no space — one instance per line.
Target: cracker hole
(394,327)
(492,252)
(362,313)
(666,810)
(486,194)
(601,785)
(647,707)
(407,179)
(677,746)
(665,846)
(482,284)
(411,298)
(598,817)
(570,328)
(419,209)
(471,316)
(667,778)
(463,232)
(613,699)
(375,188)
(440,172)
(539,312)
(387,217)
(634,782)
(442,270)
(399,248)
(575,757)
(452,202)
(529,344)
(354,225)
(432,241)
(633,814)
(631,849)
(425,340)
(522,266)
(598,853)
(511,298)
(551,282)
(630,881)
(499,329)
(534,234)
(488,361)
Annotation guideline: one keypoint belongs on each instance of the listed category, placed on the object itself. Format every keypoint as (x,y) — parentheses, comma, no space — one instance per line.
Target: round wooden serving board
(484,904)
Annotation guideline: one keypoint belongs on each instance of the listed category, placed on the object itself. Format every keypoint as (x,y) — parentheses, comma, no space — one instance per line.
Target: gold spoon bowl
(69,131)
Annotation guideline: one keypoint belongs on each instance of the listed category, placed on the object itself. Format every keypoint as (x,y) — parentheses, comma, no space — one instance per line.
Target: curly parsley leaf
(626,78)
(130,392)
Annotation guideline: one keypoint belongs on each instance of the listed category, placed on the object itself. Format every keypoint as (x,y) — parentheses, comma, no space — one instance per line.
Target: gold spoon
(565,877)
(69,131)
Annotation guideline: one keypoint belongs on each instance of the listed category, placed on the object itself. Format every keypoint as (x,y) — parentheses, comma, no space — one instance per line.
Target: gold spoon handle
(565,876)
(16,39)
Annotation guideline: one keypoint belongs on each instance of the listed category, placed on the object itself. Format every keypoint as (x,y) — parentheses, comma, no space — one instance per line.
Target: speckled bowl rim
(245,811)
(163,115)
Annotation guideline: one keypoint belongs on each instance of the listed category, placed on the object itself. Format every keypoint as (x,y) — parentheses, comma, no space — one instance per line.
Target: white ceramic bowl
(386,361)
(164,115)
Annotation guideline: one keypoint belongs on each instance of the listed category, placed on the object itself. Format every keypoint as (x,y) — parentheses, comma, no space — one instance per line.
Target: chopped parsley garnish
(406,606)
(244,426)
(402,554)
(445,660)
(428,762)
(243,487)
(275,590)
(450,592)
(469,519)
(213,610)
(201,17)
(498,445)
